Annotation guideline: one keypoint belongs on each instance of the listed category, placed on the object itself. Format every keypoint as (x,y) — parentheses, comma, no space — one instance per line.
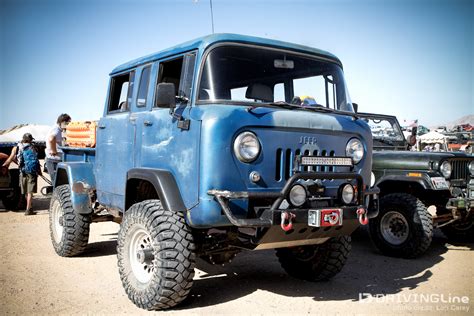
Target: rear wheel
(316,262)
(69,230)
(14,200)
(403,228)
(155,256)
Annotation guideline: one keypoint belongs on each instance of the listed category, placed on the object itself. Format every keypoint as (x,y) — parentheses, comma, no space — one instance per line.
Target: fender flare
(423,181)
(81,181)
(165,185)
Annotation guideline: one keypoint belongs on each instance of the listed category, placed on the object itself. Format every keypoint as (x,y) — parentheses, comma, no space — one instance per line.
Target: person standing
(29,170)
(53,141)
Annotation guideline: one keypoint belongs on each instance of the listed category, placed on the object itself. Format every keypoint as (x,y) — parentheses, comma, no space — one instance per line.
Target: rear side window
(143,87)
(180,72)
(121,92)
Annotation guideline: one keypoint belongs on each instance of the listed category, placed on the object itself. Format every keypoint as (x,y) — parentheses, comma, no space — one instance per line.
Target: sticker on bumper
(325,217)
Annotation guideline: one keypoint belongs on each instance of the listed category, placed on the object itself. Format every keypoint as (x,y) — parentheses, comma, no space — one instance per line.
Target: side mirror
(411,140)
(166,96)
(355,106)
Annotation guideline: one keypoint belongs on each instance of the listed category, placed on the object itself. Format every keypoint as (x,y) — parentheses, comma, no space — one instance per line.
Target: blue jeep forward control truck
(210,148)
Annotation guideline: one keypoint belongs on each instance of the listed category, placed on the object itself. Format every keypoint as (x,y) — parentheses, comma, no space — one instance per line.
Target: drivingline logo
(444,302)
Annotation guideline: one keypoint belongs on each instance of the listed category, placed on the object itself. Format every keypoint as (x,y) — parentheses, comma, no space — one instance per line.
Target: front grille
(459,168)
(285,159)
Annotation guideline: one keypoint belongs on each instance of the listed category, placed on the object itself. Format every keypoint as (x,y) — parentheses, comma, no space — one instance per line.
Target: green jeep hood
(407,160)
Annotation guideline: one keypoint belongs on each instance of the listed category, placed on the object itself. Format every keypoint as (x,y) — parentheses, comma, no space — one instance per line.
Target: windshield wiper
(290,106)
(316,107)
(271,105)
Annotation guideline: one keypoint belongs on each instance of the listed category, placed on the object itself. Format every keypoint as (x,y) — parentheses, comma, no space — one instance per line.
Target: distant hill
(468,119)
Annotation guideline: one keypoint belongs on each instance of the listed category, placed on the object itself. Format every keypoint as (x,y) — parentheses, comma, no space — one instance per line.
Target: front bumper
(366,199)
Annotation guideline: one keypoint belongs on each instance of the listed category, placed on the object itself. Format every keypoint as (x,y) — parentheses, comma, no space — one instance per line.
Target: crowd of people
(25,155)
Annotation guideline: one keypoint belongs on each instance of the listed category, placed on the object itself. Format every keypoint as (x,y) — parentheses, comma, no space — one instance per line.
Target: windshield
(244,74)
(385,128)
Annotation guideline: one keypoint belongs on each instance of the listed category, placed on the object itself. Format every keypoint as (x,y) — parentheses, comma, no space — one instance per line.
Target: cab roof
(203,43)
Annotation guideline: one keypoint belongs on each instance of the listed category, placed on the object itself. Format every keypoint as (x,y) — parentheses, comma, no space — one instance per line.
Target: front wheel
(403,228)
(316,262)
(69,230)
(155,256)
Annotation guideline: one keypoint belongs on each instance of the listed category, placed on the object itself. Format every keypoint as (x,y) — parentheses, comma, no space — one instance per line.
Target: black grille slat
(459,169)
(285,157)
(278,165)
(288,163)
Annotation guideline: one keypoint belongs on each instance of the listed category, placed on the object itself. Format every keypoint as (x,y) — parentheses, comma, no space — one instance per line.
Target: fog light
(347,194)
(254,176)
(297,195)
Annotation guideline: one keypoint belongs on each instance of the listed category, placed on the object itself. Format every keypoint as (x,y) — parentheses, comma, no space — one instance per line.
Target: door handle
(101,126)
(147,123)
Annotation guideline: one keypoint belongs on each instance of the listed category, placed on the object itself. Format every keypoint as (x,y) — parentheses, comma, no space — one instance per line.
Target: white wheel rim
(140,240)
(394,228)
(56,214)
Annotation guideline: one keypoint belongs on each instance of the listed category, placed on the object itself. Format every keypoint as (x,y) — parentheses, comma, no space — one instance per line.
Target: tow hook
(285,216)
(362,214)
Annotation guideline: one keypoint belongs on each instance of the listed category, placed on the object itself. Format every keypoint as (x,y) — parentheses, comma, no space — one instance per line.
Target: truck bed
(75,154)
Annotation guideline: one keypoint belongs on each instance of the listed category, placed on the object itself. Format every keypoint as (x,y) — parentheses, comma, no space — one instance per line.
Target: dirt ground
(34,280)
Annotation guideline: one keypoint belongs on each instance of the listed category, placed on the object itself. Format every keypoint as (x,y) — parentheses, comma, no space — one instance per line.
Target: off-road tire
(316,262)
(164,279)
(69,230)
(403,228)
(14,200)
(11,200)
(461,231)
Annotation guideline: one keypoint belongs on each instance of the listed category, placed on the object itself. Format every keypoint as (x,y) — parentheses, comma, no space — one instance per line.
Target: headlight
(355,150)
(297,195)
(445,169)
(247,147)
(347,194)
(471,168)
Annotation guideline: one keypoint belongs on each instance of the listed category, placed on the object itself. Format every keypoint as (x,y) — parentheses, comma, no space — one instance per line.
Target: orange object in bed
(81,134)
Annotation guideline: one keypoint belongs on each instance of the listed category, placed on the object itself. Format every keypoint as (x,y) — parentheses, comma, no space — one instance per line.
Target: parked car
(200,152)
(409,183)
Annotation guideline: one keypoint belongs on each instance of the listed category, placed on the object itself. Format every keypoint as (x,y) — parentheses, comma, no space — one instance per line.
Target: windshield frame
(390,119)
(313,56)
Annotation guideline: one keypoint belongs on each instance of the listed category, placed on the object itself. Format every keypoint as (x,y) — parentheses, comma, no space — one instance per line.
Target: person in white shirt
(53,141)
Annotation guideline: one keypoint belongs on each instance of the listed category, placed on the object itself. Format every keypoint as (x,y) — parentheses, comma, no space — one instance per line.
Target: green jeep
(409,183)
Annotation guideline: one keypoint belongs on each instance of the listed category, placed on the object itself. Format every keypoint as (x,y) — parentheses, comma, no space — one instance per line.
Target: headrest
(258,91)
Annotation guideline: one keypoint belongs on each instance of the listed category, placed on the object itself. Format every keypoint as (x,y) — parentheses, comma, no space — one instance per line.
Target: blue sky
(413,59)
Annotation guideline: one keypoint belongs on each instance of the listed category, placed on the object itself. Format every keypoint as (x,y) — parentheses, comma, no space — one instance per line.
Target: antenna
(212,16)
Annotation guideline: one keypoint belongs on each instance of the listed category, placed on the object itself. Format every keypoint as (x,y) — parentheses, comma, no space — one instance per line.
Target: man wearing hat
(30,168)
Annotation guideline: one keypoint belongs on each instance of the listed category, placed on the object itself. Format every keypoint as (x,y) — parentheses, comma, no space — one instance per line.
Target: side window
(238,94)
(121,92)
(323,90)
(279,92)
(143,87)
(180,72)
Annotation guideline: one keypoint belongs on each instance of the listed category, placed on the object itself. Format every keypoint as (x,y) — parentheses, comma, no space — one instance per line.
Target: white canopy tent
(14,135)
(433,138)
